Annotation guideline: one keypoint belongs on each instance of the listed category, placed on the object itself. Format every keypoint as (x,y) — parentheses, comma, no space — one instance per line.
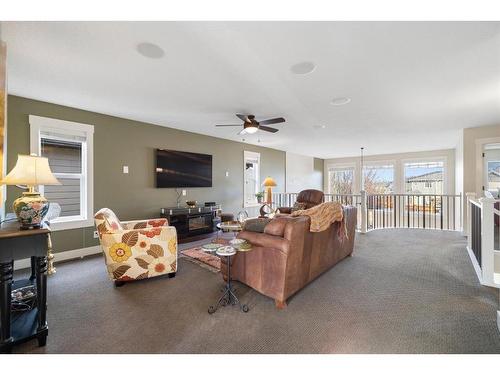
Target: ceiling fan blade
(230,125)
(243,132)
(268,129)
(243,118)
(276,120)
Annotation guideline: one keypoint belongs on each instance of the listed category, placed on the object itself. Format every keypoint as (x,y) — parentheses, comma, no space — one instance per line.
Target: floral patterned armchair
(136,250)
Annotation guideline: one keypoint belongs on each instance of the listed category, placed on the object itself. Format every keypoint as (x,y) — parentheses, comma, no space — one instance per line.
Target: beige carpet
(403,291)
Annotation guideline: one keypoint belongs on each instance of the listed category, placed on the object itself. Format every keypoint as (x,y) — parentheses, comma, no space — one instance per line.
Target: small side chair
(135,250)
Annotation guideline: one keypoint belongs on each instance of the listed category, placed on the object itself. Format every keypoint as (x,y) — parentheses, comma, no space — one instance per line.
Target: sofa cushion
(276,227)
(298,206)
(256,225)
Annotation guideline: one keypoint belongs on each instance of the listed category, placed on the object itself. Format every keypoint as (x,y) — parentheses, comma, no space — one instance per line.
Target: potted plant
(259,196)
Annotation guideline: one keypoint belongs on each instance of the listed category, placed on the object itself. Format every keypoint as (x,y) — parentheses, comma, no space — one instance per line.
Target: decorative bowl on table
(240,244)
(211,247)
(226,251)
(230,225)
(191,203)
(237,242)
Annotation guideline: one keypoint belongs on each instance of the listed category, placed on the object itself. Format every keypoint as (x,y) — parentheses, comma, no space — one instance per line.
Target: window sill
(249,205)
(71,224)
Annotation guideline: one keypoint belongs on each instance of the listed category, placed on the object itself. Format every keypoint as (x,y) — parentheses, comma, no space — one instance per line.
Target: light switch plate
(184,193)
(125,169)
(96,235)
(227,173)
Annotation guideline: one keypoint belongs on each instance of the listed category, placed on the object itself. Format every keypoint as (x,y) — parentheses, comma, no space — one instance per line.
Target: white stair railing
(384,211)
(481,238)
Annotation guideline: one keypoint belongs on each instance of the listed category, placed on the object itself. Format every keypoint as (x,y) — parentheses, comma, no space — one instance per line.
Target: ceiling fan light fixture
(251,129)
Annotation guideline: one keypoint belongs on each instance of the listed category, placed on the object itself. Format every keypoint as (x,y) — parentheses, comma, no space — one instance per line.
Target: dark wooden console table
(191,222)
(18,327)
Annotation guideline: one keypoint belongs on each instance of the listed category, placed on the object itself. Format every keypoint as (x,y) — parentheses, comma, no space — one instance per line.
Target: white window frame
(339,167)
(379,163)
(251,155)
(443,159)
(39,125)
(486,162)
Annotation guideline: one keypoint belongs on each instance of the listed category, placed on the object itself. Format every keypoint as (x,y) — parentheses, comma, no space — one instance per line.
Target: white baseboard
(64,255)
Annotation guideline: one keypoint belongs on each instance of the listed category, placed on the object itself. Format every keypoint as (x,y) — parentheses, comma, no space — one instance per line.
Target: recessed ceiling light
(304,67)
(340,101)
(150,50)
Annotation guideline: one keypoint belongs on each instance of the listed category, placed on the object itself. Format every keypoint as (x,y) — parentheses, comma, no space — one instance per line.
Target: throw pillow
(297,206)
(256,225)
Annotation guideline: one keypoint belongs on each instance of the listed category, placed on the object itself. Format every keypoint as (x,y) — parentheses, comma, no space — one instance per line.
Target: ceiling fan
(250,125)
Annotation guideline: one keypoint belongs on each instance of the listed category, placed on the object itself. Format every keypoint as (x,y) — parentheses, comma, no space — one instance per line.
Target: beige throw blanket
(323,215)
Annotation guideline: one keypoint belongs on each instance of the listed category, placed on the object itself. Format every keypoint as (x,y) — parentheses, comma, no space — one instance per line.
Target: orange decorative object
(269,183)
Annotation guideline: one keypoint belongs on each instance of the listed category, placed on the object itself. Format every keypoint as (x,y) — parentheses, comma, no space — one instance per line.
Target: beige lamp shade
(269,181)
(30,170)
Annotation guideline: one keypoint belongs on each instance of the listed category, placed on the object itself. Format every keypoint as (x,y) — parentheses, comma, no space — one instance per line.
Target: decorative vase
(30,209)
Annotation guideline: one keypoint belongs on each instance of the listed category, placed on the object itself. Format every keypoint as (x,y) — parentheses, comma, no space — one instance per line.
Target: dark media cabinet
(192,221)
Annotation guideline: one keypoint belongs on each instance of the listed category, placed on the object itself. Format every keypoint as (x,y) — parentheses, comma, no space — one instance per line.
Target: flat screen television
(176,169)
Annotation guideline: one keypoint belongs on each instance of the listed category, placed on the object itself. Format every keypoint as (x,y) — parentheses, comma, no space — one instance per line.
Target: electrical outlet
(184,193)
(125,169)
(96,235)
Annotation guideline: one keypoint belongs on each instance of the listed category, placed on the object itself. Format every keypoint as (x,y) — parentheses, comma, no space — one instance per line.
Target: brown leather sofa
(310,197)
(286,257)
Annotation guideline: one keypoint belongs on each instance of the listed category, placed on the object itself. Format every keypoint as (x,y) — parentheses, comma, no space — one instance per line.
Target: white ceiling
(412,84)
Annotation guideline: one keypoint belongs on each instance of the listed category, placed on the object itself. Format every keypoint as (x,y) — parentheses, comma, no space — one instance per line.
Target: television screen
(176,169)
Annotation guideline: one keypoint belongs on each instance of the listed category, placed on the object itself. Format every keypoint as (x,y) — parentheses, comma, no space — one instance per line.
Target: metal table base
(228,297)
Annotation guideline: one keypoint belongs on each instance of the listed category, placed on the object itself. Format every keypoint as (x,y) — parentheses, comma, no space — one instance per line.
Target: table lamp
(269,183)
(31,207)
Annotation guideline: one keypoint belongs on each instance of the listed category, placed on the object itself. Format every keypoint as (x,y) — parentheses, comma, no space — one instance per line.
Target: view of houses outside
(419,178)
(424,178)
(423,182)
(493,175)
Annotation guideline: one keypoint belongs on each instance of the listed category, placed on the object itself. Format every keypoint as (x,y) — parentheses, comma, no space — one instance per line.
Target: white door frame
(480,172)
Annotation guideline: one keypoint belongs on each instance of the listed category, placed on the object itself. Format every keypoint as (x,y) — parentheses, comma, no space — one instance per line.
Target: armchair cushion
(285,210)
(311,197)
(307,199)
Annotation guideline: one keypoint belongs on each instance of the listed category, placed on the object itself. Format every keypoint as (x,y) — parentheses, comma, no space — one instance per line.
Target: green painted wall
(119,142)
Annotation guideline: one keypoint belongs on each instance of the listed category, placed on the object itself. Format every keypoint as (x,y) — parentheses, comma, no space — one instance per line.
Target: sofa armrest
(266,240)
(149,223)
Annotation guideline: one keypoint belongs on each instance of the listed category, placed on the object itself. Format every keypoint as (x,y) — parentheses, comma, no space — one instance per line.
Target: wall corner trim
(63,255)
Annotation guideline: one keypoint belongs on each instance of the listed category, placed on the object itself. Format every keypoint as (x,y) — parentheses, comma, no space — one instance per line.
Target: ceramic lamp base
(30,209)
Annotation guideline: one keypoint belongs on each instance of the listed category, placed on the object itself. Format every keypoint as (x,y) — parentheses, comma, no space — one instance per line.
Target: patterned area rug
(200,257)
